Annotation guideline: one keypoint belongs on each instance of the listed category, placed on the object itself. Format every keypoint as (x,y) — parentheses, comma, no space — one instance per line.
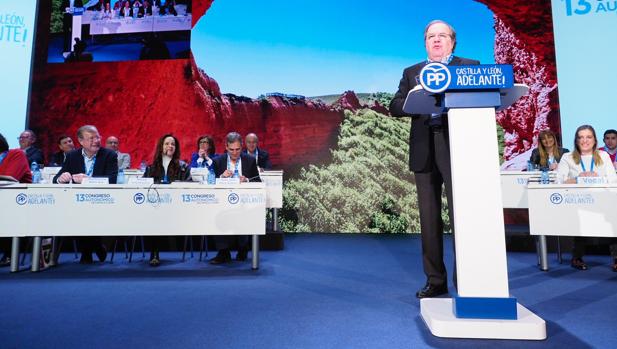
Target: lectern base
(438,315)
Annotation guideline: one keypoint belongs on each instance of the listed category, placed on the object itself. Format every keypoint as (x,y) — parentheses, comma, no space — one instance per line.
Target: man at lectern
(66,7)
(429,156)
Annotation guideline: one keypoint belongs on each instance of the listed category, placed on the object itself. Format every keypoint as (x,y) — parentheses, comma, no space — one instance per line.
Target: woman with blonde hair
(548,153)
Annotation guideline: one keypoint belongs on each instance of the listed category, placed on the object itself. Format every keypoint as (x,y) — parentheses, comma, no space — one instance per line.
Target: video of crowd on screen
(119,30)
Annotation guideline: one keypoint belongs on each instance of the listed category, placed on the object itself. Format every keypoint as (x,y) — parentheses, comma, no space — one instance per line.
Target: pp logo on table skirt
(139,198)
(21,199)
(556,198)
(233,198)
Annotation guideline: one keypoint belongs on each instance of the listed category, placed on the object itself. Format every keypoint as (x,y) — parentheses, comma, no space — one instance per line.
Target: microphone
(251,178)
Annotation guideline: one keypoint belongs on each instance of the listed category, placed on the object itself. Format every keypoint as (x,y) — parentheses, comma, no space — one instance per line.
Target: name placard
(95,180)
(146,181)
(50,170)
(229,180)
(591,180)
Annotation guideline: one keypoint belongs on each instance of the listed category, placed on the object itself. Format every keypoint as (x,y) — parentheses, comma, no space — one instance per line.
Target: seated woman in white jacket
(585,161)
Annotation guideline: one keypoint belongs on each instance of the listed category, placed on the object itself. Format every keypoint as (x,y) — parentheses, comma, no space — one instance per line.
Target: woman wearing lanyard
(166,167)
(585,161)
(13,163)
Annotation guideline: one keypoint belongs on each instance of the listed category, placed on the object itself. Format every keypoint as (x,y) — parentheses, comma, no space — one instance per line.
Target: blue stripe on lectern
(484,308)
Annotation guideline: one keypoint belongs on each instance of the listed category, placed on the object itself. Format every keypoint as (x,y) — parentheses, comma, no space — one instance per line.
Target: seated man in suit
(252,149)
(91,160)
(124,159)
(234,164)
(26,143)
(66,145)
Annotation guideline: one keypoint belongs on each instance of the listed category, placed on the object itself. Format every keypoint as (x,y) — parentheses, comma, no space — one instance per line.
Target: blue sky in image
(323,47)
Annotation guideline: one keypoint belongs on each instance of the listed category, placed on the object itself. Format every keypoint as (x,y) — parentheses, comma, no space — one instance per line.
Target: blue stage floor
(322,291)
(122,48)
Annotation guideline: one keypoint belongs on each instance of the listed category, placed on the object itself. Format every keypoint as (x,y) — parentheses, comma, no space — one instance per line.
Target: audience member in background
(13,163)
(146,9)
(26,143)
(138,8)
(234,164)
(124,159)
(67,21)
(166,6)
(610,145)
(252,149)
(585,161)
(66,145)
(166,167)
(548,153)
(126,10)
(106,12)
(91,160)
(205,154)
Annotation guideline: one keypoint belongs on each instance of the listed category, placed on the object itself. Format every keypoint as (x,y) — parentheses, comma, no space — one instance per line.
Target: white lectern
(483,307)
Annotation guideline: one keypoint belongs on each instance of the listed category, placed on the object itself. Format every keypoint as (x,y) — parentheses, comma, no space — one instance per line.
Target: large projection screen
(585,36)
(17,20)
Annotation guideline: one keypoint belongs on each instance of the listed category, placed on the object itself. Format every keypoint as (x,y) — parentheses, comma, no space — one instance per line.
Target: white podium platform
(439,318)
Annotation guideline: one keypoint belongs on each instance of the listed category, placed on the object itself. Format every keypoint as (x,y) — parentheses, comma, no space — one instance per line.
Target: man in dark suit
(91,160)
(429,157)
(234,164)
(26,143)
(261,155)
(67,21)
(65,143)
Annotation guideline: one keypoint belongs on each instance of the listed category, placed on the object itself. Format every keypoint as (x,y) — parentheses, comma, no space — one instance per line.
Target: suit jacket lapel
(81,163)
(455,61)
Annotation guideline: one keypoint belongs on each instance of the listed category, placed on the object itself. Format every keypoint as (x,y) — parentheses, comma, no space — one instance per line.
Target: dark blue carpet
(322,291)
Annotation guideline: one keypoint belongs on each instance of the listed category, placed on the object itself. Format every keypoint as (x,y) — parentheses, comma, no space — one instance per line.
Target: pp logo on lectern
(435,77)
(556,198)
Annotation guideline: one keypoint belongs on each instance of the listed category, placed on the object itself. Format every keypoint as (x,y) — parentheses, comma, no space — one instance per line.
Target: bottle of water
(529,166)
(36,172)
(544,178)
(121,179)
(551,161)
(211,176)
(165,179)
(236,173)
(142,166)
